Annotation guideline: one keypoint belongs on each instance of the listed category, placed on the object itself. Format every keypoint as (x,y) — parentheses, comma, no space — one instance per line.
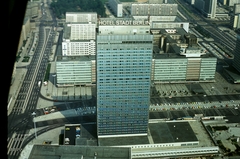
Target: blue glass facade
(123,84)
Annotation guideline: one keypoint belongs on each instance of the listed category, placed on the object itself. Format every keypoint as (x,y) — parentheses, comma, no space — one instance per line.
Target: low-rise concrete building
(165,9)
(79,39)
(82,17)
(178,58)
(78,152)
(165,139)
(75,70)
(190,1)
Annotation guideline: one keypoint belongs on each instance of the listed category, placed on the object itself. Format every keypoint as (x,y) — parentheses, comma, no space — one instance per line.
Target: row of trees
(60,7)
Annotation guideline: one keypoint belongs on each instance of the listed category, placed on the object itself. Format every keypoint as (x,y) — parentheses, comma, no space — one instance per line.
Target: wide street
(20,119)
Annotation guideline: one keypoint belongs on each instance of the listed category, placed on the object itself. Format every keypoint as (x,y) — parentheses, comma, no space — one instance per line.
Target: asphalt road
(20,119)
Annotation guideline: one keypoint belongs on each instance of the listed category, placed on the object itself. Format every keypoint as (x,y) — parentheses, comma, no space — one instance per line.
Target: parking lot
(219,87)
(219,94)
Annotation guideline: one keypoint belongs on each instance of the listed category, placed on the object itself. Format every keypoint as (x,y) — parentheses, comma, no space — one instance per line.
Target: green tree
(60,7)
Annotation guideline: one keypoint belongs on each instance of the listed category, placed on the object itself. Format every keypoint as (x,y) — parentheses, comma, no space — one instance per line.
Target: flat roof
(121,141)
(167,19)
(88,135)
(172,132)
(80,23)
(161,132)
(76,152)
(66,31)
(174,44)
(177,55)
(81,12)
(76,58)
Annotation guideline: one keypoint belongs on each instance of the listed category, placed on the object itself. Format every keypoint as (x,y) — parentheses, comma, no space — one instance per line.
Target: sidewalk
(21,69)
(15,87)
(72,93)
(19,75)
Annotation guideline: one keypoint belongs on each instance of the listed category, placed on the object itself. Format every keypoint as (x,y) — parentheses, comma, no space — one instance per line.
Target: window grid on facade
(121,69)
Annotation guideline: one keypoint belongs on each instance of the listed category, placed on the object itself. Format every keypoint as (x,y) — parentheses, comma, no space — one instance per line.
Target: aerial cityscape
(126,79)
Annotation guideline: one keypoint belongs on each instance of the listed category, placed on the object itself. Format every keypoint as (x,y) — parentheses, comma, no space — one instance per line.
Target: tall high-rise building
(207,7)
(223,2)
(75,70)
(210,7)
(236,8)
(232,2)
(116,7)
(190,1)
(236,61)
(123,84)
(235,16)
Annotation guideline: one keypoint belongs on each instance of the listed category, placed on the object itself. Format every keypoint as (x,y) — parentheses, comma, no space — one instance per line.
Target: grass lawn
(25,59)
(46,78)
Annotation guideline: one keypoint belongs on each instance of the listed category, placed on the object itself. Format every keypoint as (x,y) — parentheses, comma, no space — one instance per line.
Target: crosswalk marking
(15,143)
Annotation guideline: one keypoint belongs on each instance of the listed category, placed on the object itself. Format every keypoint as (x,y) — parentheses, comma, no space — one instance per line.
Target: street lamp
(34,115)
